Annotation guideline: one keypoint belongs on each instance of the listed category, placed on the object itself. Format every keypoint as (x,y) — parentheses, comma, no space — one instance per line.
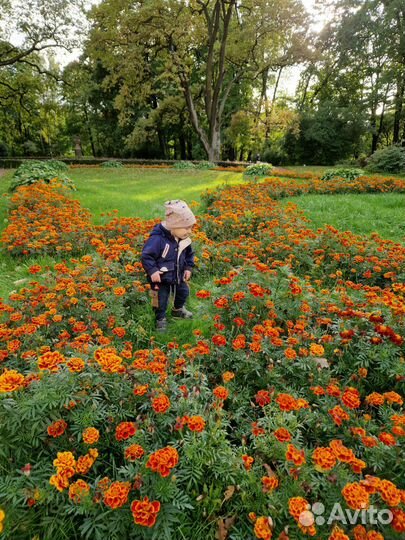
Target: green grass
(359,213)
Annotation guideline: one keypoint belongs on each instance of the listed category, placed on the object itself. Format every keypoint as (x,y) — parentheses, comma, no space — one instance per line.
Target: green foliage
(30,172)
(204,165)
(389,160)
(258,169)
(112,164)
(184,165)
(347,174)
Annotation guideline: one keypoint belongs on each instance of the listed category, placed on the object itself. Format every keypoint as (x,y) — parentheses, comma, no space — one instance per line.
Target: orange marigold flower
(239,342)
(375,399)
(59,481)
(393,397)
(219,340)
(228,376)
(338,415)
(221,303)
(297,505)
(50,361)
(163,460)
(255,346)
(360,533)
(75,365)
(387,439)
(125,430)
(390,493)
(91,435)
(316,350)
(269,483)
(357,465)
(295,455)
(145,512)
(351,398)
(338,534)
(263,398)
(369,442)
(119,291)
(78,490)
(64,460)
(141,389)
(343,454)
(117,494)
(262,528)
(324,459)
(290,354)
(356,496)
(196,423)
(398,521)
(161,404)
(247,461)
(221,393)
(134,452)
(203,294)
(109,361)
(283,435)
(286,402)
(57,429)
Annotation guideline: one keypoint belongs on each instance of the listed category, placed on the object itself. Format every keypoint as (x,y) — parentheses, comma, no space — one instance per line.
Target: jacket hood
(159,230)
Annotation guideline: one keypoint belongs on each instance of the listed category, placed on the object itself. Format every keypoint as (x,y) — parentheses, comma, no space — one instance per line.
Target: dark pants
(181,292)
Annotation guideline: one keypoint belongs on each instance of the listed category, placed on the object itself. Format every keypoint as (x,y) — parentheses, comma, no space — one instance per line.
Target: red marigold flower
(270,483)
(219,340)
(145,512)
(263,398)
(57,429)
(282,434)
(295,455)
(125,430)
(161,404)
(239,342)
(247,461)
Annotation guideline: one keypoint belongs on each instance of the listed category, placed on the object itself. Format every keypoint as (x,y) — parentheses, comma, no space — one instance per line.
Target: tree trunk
(93,148)
(269,111)
(399,99)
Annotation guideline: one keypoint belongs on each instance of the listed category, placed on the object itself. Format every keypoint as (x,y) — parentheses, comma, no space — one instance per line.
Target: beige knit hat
(178,215)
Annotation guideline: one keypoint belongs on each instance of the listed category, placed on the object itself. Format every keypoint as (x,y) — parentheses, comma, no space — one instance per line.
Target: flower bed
(286,402)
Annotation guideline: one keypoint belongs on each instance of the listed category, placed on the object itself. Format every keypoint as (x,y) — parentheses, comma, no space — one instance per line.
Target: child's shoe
(161,325)
(181,313)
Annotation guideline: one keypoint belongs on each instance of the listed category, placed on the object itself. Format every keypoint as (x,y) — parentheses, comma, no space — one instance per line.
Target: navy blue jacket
(161,253)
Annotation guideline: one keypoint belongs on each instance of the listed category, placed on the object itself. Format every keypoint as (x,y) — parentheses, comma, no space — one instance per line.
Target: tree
(205,47)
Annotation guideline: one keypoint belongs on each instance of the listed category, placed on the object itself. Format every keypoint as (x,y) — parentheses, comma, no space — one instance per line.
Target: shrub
(258,169)
(183,165)
(31,172)
(204,165)
(390,159)
(347,174)
(112,164)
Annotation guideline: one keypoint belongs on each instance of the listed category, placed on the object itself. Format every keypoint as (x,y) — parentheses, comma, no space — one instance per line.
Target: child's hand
(187,275)
(155,277)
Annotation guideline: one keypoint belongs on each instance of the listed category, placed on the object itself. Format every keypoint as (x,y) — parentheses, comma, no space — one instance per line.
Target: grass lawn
(142,192)
(359,213)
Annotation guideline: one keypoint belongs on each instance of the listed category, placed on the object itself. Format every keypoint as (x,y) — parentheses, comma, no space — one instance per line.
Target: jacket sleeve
(150,255)
(189,258)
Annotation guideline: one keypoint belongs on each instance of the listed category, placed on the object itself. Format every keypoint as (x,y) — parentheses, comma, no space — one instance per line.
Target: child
(168,259)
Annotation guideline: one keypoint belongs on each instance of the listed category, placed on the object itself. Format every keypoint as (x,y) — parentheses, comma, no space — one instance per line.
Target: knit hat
(178,215)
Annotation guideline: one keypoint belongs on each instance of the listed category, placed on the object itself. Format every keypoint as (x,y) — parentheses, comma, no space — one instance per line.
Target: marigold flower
(11,380)
(297,505)
(117,494)
(203,294)
(286,402)
(398,521)
(375,399)
(239,342)
(262,528)
(59,481)
(356,496)
(387,439)
(270,483)
(75,365)
(134,452)
(338,415)
(290,354)
(51,361)
(196,423)
(145,512)
(344,454)
(228,376)
(140,389)
(91,435)
(221,393)
(263,398)
(324,459)
(390,493)
(78,490)
(247,461)
(393,397)
(338,534)
(283,435)
(219,340)
(57,429)
(125,430)
(163,460)
(295,455)
(161,404)
(351,398)
(316,350)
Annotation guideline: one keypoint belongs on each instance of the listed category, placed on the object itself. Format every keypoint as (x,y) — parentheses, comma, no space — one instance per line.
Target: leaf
(230,490)
(223,527)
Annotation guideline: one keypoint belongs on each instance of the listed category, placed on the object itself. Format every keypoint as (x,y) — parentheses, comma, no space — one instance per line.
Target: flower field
(286,399)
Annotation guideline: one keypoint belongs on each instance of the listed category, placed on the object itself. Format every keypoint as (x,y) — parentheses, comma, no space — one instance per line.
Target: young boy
(168,260)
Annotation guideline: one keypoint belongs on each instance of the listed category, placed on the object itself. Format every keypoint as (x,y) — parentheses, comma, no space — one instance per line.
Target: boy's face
(182,232)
